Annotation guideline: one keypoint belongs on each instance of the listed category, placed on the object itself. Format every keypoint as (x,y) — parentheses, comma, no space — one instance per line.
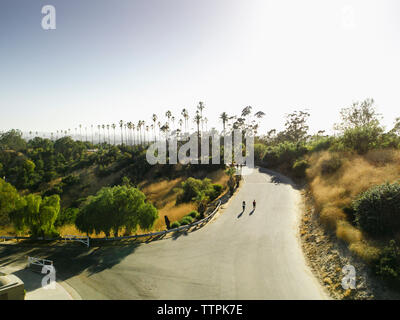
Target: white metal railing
(83,239)
(86,240)
(39,262)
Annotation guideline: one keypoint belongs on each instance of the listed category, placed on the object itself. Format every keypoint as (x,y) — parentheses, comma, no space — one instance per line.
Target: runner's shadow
(252,211)
(240,214)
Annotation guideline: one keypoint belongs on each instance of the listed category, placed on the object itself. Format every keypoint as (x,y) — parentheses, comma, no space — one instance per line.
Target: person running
(254,204)
(244,205)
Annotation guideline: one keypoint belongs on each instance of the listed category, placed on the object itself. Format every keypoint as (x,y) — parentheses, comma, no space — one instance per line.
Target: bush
(284,153)
(323,143)
(57,189)
(377,210)
(388,265)
(331,165)
(194,214)
(67,216)
(361,139)
(70,180)
(175,224)
(186,220)
(214,191)
(299,168)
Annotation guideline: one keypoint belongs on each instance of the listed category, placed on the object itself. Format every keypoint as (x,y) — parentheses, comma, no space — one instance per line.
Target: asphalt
(238,255)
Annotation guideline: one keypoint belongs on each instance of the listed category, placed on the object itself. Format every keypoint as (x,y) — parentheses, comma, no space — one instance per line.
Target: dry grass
(347,232)
(335,191)
(163,196)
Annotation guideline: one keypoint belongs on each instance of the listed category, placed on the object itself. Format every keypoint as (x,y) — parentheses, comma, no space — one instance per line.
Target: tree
(154,118)
(224,117)
(37,215)
(12,140)
(360,127)
(9,200)
(360,114)
(115,208)
(296,128)
(185,115)
(121,125)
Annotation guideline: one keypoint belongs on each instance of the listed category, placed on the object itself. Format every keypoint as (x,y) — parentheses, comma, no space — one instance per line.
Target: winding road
(238,255)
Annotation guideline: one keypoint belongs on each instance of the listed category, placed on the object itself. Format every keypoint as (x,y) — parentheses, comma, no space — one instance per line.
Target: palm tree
(197,119)
(121,125)
(108,133)
(224,117)
(168,114)
(126,136)
(104,132)
(185,115)
(147,130)
(180,122)
(98,127)
(133,133)
(113,126)
(200,107)
(80,131)
(86,133)
(91,126)
(206,121)
(154,118)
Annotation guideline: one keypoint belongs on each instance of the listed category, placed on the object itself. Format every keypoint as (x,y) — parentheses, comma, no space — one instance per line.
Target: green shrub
(331,165)
(377,210)
(259,151)
(363,138)
(299,168)
(214,191)
(284,153)
(186,220)
(388,265)
(67,216)
(320,144)
(57,189)
(70,180)
(175,224)
(194,214)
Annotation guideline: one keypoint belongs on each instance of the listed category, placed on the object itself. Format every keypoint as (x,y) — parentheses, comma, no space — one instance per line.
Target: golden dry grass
(333,192)
(161,194)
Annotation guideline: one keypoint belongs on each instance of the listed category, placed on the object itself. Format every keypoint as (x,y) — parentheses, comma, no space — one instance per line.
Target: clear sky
(110,60)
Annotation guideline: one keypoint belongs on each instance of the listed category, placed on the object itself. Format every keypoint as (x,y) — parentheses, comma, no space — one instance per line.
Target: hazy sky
(110,60)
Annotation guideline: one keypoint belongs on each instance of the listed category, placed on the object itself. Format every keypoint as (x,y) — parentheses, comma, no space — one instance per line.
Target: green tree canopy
(12,140)
(112,209)
(36,215)
(9,199)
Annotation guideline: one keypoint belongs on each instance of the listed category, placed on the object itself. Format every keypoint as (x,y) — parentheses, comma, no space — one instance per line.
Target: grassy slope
(160,193)
(334,192)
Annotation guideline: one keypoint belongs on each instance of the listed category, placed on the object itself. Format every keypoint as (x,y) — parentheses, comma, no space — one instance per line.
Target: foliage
(67,216)
(377,210)
(175,224)
(114,208)
(388,266)
(193,188)
(12,140)
(37,215)
(9,199)
(331,165)
(299,168)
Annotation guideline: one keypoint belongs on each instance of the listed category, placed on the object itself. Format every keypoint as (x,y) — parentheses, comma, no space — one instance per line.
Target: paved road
(239,255)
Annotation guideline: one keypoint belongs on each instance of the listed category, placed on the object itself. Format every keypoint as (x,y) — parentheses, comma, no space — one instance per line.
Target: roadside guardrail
(152,234)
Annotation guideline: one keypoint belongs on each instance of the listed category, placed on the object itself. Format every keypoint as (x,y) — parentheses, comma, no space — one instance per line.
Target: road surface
(238,255)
